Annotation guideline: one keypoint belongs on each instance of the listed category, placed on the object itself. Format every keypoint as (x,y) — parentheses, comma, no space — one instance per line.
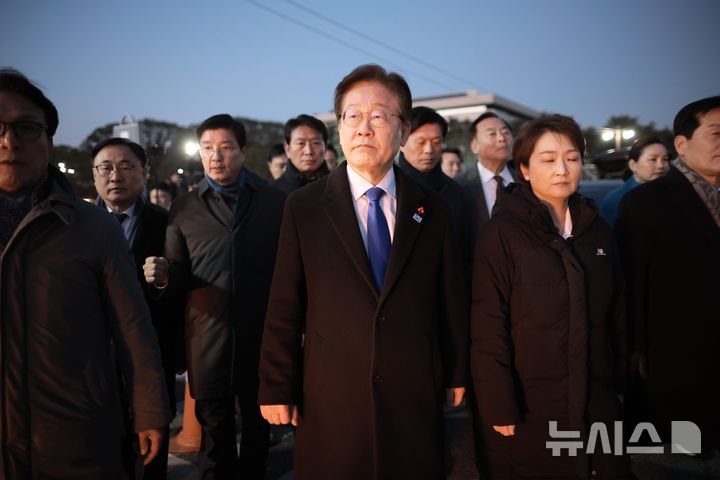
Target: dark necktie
(120,217)
(500,184)
(378,237)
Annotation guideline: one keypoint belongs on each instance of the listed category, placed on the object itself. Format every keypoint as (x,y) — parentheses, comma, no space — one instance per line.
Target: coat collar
(684,196)
(519,201)
(339,209)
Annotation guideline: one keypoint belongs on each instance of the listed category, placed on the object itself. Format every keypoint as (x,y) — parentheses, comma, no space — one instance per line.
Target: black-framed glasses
(105,169)
(24,129)
(378,118)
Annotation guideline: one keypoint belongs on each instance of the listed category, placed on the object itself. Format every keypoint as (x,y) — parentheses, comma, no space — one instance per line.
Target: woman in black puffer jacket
(548,332)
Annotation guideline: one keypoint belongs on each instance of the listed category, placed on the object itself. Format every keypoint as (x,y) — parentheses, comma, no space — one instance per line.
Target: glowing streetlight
(191,148)
(618,134)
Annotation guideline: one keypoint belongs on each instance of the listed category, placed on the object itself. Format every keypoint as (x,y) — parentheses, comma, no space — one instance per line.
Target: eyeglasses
(378,118)
(105,170)
(208,151)
(24,129)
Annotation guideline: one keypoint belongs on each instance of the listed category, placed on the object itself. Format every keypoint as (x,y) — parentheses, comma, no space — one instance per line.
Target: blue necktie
(378,236)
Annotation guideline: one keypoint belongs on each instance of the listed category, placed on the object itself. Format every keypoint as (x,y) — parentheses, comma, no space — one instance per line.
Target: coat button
(377,380)
(381,320)
(594,473)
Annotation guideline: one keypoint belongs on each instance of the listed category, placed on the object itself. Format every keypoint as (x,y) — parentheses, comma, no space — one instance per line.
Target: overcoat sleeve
(454,330)
(135,341)
(492,350)
(280,356)
(178,256)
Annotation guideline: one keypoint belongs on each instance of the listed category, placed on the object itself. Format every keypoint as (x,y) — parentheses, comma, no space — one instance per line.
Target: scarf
(433,180)
(229,193)
(709,195)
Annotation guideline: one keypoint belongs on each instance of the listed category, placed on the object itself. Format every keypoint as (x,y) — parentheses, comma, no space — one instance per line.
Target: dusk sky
(272,60)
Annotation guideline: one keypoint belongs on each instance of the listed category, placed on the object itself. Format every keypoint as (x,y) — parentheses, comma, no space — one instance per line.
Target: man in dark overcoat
(120,171)
(367,274)
(220,247)
(72,312)
(668,232)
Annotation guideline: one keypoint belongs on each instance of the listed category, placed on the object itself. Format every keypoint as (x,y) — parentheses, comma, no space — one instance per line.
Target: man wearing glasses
(120,172)
(305,138)
(366,331)
(72,314)
(220,250)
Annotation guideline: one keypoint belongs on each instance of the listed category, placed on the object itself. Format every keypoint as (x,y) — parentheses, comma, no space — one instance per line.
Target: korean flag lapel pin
(418,215)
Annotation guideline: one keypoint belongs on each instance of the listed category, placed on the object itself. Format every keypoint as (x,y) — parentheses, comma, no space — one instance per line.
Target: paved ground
(182,467)
(461,463)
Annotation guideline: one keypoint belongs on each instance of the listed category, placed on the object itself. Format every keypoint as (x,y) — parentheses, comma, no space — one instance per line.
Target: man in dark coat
(305,139)
(420,158)
(367,274)
(73,314)
(668,232)
(120,171)
(221,244)
(491,141)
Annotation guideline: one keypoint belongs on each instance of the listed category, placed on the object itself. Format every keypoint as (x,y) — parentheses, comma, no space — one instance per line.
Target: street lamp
(191,148)
(618,134)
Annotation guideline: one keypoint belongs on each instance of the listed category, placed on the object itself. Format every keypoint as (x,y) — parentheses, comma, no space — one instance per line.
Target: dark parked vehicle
(611,164)
(597,189)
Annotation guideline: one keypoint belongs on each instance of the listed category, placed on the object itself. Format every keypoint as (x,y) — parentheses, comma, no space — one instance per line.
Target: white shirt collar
(486,175)
(358,185)
(567,230)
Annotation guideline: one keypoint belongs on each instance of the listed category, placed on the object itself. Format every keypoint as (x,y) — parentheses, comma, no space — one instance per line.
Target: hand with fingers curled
(156,271)
(280,414)
(505,430)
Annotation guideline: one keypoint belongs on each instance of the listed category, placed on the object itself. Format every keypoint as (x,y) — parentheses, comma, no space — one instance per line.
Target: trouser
(218,457)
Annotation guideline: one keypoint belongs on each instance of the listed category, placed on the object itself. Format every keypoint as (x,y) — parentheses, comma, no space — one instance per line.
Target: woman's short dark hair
(529,135)
(641,143)
(227,122)
(137,150)
(420,116)
(13,81)
(375,73)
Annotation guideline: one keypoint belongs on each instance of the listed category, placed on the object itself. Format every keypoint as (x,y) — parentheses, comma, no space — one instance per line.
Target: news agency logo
(685,438)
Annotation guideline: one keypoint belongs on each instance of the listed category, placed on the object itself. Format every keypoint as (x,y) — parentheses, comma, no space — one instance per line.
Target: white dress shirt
(567,231)
(388,202)
(487,178)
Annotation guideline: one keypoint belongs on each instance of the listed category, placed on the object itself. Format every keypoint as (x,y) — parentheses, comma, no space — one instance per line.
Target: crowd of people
(358,298)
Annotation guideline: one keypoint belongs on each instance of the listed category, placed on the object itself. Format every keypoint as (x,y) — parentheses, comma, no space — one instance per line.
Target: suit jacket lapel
(685,196)
(408,222)
(340,211)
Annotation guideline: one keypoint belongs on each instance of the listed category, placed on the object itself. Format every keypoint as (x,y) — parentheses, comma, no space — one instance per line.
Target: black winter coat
(225,266)
(292,179)
(370,378)
(548,335)
(73,315)
(671,254)
(461,209)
